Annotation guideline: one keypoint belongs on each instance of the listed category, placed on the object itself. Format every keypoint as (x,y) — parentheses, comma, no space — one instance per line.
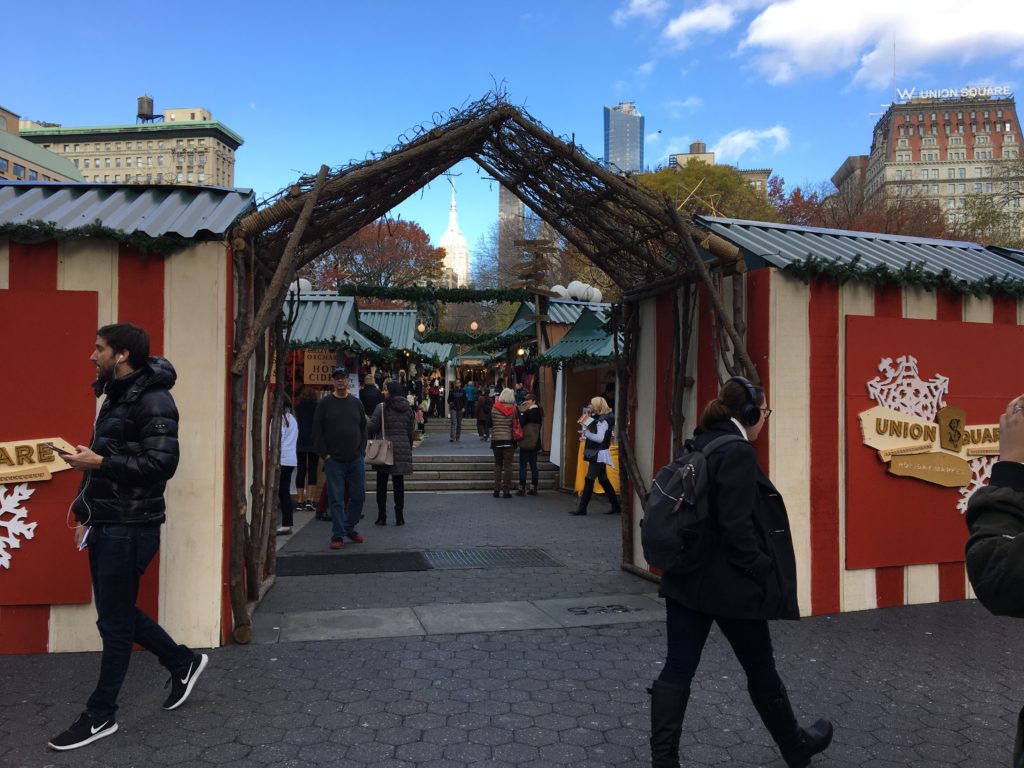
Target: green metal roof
(327,319)
(188,126)
(587,336)
(435,350)
(398,325)
(563,311)
(18,147)
(473,354)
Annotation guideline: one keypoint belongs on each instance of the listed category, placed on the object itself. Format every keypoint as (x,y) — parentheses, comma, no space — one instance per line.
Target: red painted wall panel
(24,628)
(823,328)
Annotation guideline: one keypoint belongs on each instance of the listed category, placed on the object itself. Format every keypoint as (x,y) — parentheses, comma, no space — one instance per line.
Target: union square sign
(969,92)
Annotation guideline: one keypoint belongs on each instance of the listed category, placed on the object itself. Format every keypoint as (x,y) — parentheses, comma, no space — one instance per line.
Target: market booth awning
(326,320)
(398,325)
(586,340)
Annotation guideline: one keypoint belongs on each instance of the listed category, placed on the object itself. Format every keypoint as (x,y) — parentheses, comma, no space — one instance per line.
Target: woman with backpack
(597,439)
(745,577)
(394,418)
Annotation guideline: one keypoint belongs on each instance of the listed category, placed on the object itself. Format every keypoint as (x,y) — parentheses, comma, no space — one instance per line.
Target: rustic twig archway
(636,237)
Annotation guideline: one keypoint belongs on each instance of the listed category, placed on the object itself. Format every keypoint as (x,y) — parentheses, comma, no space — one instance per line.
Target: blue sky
(794,85)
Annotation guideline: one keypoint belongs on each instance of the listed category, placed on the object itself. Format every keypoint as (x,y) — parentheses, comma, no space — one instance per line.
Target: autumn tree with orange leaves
(387,253)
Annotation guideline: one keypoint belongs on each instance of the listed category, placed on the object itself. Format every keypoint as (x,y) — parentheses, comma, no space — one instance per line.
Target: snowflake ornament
(905,391)
(13,528)
(981,471)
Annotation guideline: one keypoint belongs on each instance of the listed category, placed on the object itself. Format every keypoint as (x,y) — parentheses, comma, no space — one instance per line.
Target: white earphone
(120,359)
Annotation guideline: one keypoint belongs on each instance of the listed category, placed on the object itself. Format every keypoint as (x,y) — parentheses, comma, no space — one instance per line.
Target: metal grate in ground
(494,557)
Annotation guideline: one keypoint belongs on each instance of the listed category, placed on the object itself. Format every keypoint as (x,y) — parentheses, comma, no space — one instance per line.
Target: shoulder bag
(517,426)
(380,453)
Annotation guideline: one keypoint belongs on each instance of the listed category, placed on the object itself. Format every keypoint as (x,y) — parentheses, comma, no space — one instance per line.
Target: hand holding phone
(58,450)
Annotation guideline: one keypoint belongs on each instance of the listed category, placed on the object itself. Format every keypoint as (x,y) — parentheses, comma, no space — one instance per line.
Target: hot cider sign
(923,400)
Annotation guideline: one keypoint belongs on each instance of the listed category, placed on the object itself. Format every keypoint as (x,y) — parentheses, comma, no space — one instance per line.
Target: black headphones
(750,412)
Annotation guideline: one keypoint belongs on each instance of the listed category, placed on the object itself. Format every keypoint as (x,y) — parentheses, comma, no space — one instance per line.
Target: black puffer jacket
(751,569)
(995,551)
(137,435)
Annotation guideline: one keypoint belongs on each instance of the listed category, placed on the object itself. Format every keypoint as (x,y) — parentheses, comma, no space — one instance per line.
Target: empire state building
(456,258)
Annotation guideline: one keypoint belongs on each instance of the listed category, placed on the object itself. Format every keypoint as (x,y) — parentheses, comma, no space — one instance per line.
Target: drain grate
(489,558)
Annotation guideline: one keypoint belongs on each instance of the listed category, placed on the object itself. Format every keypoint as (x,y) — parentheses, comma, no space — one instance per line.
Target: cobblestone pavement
(912,687)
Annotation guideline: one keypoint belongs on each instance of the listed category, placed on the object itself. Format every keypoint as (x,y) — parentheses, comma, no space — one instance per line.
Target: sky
(792,85)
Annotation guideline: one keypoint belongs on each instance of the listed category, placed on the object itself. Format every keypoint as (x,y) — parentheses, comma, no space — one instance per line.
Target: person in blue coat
(747,577)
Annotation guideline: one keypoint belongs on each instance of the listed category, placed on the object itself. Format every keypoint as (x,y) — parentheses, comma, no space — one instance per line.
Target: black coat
(370,396)
(995,550)
(750,572)
(136,433)
(399,427)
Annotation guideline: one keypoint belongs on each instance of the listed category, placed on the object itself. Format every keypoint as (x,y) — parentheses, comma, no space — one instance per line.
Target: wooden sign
(318,366)
(893,433)
(29,461)
(938,468)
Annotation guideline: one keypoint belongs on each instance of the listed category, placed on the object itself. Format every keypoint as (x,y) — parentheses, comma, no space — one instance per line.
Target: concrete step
(473,475)
(412,484)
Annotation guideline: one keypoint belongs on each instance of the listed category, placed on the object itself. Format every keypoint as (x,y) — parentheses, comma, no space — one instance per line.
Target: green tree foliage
(710,190)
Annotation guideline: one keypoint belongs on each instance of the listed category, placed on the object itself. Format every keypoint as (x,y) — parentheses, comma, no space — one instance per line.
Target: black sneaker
(181,685)
(83,731)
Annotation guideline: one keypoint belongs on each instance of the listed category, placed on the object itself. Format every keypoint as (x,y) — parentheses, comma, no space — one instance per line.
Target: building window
(977,186)
(180,178)
(86,162)
(128,162)
(138,162)
(191,177)
(159,159)
(988,186)
(117,178)
(202,161)
(924,173)
(159,178)
(951,203)
(33,176)
(106,162)
(106,178)
(149,178)
(977,173)
(75,161)
(899,175)
(951,189)
(202,178)
(983,139)
(76,147)
(962,173)
(962,189)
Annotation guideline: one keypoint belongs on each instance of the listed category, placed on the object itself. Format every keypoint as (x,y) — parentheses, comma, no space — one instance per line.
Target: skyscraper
(510,229)
(456,253)
(623,138)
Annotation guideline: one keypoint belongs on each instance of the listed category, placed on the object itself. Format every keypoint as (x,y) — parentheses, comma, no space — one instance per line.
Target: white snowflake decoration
(981,471)
(13,527)
(905,391)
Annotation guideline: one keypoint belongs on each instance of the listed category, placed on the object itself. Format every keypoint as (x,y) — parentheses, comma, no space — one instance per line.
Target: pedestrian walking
(484,403)
(502,445)
(393,420)
(470,390)
(370,396)
(532,417)
(995,520)
(306,460)
(119,510)
(339,433)
(456,407)
(746,577)
(434,390)
(596,436)
(289,438)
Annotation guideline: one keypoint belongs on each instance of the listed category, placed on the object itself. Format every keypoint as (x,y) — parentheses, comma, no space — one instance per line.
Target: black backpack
(676,529)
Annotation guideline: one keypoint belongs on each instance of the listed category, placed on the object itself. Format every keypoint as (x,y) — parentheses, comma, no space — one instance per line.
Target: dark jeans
(599,472)
(456,424)
(118,556)
(483,427)
(306,470)
(527,459)
(398,481)
(749,638)
(342,474)
(284,495)
(503,468)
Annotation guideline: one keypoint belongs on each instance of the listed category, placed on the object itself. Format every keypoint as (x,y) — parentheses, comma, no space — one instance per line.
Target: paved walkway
(907,688)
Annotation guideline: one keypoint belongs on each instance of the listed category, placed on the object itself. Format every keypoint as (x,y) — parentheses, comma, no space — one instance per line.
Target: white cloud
(713,17)
(648,9)
(680,107)
(733,145)
(677,144)
(646,68)
(795,37)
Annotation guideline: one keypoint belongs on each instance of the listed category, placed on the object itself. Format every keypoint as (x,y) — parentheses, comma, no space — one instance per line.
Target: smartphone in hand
(58,450)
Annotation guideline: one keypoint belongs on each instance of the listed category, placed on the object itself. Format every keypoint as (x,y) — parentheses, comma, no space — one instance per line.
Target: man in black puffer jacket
(995,519)
(119,509)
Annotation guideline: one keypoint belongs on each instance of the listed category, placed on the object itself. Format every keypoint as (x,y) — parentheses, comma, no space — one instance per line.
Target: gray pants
(456,423)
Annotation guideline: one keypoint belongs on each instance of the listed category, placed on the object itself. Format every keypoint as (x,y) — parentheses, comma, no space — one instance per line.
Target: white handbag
(380,453)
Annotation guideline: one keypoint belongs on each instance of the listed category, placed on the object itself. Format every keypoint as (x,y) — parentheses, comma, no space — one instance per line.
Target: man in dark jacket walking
(995,519)
(339,434)
(456,408)
(119,509)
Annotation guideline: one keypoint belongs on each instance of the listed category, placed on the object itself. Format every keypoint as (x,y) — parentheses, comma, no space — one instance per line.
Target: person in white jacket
(289,458)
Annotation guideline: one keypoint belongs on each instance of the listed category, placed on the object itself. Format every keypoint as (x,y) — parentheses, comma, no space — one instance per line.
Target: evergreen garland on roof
(36,230)
(913,274)
(435,293)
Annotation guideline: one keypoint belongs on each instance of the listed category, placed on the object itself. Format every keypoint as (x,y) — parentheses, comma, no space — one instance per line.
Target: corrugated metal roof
(328,319)
(587,336)
(435,349)
(129,129)
(153,210)
(564,311)
(399,325)
(780,245)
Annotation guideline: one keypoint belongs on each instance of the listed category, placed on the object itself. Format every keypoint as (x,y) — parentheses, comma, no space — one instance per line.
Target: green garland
(36,230)
(574,359)
(435,293)
(485,342)
(913,274)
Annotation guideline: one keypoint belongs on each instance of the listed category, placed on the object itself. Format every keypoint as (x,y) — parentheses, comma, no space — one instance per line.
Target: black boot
(382,519)
(797,744)
(521,491)
(588,491)
(399,516)
(668,707)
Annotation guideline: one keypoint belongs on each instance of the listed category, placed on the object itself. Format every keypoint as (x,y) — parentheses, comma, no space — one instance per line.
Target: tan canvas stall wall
(191,554)
(644,425)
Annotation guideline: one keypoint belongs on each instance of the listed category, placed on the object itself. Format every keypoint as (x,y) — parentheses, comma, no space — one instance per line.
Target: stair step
(454,485)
